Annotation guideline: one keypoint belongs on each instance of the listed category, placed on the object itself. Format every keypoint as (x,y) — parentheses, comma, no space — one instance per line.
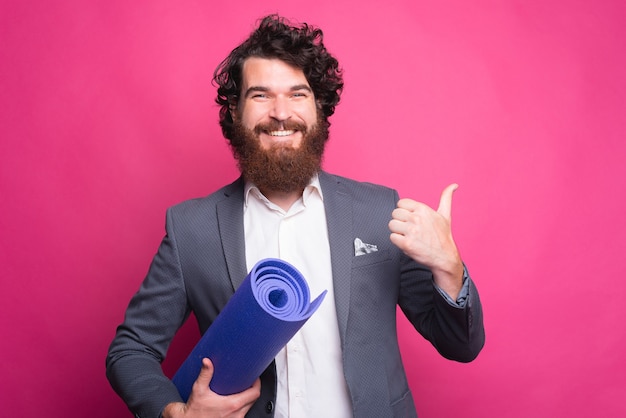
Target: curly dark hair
(300,46)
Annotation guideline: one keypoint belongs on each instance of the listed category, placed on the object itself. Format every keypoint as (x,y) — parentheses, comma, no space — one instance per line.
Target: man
(277,90)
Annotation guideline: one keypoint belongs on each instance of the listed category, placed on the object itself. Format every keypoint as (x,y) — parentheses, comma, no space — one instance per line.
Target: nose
(281,109)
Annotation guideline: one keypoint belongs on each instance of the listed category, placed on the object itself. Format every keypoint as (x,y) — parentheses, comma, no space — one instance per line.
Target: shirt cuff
(461,300)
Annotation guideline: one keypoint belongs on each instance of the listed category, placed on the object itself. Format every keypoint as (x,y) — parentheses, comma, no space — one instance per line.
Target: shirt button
(269,407)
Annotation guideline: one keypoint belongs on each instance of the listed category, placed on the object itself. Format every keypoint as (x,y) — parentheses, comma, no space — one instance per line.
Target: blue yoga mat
(265,312)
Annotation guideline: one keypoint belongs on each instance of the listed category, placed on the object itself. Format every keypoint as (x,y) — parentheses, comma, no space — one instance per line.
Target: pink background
(107,118)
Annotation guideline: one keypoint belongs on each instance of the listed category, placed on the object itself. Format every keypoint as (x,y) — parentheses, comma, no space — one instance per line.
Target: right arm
(154,315)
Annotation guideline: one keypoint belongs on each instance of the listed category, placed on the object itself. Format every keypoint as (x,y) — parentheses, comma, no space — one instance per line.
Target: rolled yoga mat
(265,312)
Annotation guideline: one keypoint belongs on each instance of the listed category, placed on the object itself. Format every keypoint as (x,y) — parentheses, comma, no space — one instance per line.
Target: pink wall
(107,119)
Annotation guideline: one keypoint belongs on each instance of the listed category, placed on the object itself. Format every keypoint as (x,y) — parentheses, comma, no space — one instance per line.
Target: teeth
(282,133)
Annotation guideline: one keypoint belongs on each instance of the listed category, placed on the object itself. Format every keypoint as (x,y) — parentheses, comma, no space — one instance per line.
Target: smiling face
(278,135)
(276,102)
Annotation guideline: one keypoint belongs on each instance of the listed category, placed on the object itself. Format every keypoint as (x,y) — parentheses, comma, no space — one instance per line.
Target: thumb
(445,203)
(206,373)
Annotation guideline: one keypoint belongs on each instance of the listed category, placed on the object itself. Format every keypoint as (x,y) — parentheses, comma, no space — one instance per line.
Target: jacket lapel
(338,207)
(230,224)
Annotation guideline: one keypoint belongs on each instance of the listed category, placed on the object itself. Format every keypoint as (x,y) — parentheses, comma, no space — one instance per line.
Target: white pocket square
(362,248)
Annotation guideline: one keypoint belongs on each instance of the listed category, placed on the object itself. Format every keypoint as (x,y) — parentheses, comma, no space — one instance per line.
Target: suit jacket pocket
(371,258)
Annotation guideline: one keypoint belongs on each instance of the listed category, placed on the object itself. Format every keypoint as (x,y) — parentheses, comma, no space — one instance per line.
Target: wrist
(450,279)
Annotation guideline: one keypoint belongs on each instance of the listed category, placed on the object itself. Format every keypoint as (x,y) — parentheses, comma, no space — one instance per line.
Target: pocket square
(362,248)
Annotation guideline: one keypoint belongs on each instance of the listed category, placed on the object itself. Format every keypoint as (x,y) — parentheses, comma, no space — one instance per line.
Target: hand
(425,235)
(204,403)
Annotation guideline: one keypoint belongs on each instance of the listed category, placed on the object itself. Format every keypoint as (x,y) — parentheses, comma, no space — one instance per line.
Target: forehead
(271,73)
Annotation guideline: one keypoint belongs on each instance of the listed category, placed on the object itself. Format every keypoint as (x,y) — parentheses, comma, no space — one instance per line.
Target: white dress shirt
(309,368)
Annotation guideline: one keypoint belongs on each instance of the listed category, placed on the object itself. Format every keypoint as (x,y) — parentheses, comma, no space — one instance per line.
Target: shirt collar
(313,187)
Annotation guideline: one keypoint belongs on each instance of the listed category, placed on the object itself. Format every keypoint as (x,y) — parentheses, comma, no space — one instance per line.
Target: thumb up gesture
(425,235)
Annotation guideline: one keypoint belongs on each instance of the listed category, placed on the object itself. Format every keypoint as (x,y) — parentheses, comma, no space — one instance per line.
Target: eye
(259,97)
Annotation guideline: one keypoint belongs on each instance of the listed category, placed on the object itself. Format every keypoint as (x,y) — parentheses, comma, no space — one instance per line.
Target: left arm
(425,236)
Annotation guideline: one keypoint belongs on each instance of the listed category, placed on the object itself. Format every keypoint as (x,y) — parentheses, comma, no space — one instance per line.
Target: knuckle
(235,404)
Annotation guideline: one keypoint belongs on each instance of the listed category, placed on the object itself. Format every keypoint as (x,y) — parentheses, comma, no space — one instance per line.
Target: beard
(281,168)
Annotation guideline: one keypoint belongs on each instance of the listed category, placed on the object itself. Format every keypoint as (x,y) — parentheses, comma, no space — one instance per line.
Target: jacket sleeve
(154,314)
(456,332)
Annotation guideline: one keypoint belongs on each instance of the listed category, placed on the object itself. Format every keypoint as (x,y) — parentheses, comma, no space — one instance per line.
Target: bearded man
(370,250)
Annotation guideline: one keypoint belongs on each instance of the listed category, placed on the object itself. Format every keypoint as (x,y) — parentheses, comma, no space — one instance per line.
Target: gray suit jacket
(201,261)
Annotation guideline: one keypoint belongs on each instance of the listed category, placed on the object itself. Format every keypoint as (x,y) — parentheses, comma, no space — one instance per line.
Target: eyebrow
(262,89)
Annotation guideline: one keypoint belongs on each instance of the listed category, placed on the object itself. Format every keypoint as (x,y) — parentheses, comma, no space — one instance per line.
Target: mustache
(275,125)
